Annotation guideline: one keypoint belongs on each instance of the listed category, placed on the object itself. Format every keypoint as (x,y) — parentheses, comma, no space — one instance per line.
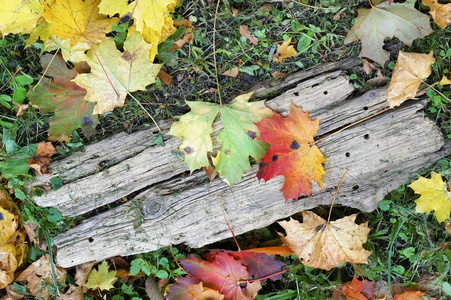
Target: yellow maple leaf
(323,245)
(152,18)
(77,20)
(19,16)
(410,70)
(114,74)
(284,51)
(101,279)
(441,13)
(434,196)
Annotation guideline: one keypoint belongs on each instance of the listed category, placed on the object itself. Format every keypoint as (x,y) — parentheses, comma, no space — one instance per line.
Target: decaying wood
(173,207)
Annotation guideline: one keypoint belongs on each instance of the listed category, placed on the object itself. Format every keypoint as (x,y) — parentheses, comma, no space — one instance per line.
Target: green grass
(406,246)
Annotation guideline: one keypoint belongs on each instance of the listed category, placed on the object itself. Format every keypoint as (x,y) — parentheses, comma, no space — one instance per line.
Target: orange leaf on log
(293,152)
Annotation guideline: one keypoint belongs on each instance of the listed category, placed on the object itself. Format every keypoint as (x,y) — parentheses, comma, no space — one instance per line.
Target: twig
(336,193)
(150,116)
(12,76)
(214,53)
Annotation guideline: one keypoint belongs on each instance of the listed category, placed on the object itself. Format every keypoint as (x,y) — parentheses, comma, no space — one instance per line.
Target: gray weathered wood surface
(175,207)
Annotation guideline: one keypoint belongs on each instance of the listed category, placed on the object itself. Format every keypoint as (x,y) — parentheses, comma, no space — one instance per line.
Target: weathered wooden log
(173,207)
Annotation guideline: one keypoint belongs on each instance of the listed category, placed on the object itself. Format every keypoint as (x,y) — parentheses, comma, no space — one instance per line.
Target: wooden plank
(136,162)
(172,207)
(381,154)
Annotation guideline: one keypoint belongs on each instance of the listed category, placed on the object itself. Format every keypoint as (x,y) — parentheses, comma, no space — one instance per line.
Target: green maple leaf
(239,137)
(101,279)
(60,95)
(384,20)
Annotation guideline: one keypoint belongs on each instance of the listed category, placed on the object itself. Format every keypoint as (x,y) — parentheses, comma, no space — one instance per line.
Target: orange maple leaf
(293,152)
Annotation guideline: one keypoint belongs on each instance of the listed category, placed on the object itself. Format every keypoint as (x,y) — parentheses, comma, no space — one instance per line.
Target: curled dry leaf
(323,245)
(198,291)
(244,31)
(410,70)
(284,51)
(434,196)
(441,13)
(232,72)
(41,160)
(8,264)
(38,277)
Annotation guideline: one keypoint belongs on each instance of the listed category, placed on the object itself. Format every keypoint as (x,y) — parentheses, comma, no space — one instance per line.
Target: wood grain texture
(171,206)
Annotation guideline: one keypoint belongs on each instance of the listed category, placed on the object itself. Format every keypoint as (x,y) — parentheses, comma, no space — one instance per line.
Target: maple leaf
(434,196)
(77,20)
(101,278)
(127,72)
(152,18)
(198,291)
(258,264)
(323,245)
(441,13)
(60,95)
(224,274)
(239,137)
(41,160)
(284,51)
(387,20)
(19,16)
(293,153)
(407,76)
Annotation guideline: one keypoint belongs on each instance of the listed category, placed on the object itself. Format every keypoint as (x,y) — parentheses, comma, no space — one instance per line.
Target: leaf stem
(12,76)
(46,69)
(336,193)
(350,125)
(272,275)
(150,116)
(214,53)
(230,228)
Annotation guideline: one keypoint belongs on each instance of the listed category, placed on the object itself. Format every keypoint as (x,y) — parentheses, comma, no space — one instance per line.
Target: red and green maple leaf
(223,274)
(293,152)
(258,265)
(57,93)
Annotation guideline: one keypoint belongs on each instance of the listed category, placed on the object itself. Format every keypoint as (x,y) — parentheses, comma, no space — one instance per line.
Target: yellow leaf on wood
(284,51)
(77,20)
(410,70)
(323,245)
(434,196)
(117,73)
(441,13)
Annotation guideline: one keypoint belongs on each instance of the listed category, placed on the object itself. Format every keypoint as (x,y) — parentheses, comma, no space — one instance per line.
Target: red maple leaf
(223,274)
(258,264)
(293,152)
